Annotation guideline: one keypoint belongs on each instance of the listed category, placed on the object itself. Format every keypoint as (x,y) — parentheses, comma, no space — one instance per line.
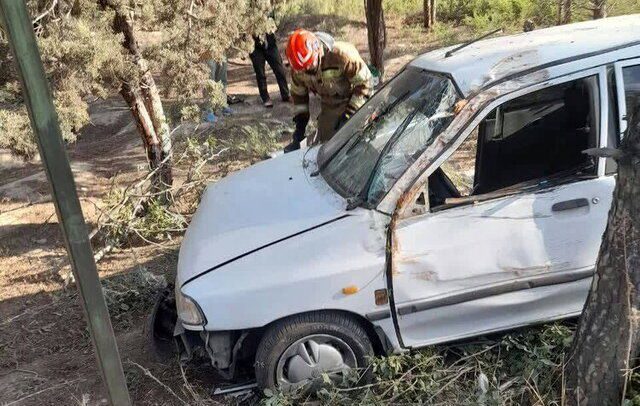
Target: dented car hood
(253,208)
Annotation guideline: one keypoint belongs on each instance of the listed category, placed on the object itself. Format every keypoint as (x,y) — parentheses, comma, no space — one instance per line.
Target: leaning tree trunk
(155,109)
(145,104)
(606,341)
(377,32)
(599,8)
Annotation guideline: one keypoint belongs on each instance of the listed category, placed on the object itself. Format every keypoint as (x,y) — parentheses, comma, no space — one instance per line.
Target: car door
(512,237)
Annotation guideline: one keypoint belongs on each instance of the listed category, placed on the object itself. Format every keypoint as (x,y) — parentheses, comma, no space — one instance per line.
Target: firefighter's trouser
(328,121)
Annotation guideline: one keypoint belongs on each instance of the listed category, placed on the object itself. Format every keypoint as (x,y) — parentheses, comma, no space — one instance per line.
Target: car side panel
(510,310)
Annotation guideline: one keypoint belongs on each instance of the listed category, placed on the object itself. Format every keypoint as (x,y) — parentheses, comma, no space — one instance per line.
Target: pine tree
(91,48)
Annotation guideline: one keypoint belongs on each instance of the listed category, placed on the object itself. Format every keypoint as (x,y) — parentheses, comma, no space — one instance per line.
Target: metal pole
(44,120)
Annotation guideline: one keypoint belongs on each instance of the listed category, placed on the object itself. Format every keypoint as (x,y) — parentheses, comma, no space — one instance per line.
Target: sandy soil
(46,357)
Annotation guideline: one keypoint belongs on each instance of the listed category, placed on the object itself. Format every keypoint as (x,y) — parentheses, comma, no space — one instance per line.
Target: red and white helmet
(303,50)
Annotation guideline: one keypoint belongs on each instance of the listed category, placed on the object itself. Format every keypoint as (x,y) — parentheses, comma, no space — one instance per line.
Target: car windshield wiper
(354,138)
(386,110)
(357,136)
(360,198)
(382,113)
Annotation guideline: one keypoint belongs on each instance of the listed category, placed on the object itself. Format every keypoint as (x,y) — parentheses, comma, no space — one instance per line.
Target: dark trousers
(269,53)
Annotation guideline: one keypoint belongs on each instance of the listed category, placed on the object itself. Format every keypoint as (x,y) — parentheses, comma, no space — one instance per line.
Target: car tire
(161,324)
(342,332)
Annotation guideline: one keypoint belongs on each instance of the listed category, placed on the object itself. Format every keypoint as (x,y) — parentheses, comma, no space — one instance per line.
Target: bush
(446,34)
(524,367)
(483,15)
(344,8)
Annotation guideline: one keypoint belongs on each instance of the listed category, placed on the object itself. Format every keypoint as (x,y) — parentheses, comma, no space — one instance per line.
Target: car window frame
(421,184)
(618,68)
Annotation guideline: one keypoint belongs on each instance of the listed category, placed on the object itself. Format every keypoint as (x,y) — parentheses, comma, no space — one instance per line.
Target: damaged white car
(456,202)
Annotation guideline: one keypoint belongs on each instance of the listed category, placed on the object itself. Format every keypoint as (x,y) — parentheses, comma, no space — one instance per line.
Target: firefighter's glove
(342,121)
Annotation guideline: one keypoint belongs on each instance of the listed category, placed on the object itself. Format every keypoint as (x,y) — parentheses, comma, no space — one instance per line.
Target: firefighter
(331,69)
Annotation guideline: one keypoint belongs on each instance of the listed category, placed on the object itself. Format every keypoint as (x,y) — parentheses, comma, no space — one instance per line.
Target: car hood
(255,207)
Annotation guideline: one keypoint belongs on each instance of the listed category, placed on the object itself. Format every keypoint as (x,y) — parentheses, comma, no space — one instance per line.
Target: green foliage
(15,131)
(446,34)
(521,368)
(402,7)
(215,95)
(481,15)
(84,58)
(195,32)
(159,222)
(255,141)
(146,218)
(346,8)
(135,213)
(77,48)
(484,15)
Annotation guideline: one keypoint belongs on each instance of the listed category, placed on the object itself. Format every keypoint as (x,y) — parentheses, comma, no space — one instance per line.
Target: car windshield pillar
(367,156)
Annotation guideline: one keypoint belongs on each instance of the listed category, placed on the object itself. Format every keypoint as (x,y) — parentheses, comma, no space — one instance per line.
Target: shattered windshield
(368,155)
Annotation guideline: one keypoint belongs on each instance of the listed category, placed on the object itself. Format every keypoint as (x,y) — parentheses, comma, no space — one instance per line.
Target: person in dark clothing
(267,51)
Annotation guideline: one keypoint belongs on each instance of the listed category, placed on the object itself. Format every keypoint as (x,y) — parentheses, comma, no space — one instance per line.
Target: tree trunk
(377,33)
(607,337)
(145,104)
(155,110)
(566,11)
(432,14)
(599,8)
(429,14)
(426,15)
(152,144)
(559,20)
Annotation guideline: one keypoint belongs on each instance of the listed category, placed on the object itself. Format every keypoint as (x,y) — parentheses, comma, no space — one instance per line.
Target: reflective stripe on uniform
(298,90)
(300,108)
(333,73)
(362,77)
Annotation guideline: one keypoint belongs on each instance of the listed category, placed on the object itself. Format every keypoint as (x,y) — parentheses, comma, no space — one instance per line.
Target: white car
(456,202)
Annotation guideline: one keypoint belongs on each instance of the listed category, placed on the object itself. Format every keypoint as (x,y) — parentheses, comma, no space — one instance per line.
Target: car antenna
(466,44)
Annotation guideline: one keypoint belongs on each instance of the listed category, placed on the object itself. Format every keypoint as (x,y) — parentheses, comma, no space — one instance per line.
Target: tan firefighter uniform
(343,83)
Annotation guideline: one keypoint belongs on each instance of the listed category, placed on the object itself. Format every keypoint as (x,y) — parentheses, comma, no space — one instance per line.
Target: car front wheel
(297,351)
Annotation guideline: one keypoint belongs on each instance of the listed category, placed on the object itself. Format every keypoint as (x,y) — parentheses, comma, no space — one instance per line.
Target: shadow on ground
(46,356)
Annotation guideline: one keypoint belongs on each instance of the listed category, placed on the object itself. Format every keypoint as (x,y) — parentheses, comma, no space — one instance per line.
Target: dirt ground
(46,356)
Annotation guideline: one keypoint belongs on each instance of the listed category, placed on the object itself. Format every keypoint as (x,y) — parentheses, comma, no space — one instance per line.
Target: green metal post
(44,120)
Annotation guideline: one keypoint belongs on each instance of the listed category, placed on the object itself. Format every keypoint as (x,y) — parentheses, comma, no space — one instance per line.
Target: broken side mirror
(419,204)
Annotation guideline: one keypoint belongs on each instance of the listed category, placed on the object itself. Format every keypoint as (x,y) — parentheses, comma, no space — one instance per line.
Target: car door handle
(570,204)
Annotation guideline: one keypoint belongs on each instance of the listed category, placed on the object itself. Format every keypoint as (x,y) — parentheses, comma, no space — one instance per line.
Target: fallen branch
(158,381)
(54,3)
(102,252)
(15,402)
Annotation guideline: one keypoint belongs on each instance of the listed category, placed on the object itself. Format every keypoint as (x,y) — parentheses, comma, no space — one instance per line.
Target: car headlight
(188,311)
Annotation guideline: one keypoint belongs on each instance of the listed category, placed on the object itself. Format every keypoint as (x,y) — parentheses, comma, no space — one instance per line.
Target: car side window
(631,75)
(533,140)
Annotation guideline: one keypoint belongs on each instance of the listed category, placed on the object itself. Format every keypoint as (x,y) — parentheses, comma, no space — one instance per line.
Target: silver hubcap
(308,358)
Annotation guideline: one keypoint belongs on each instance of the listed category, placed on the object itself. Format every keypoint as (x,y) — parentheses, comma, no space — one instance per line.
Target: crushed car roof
(486,61)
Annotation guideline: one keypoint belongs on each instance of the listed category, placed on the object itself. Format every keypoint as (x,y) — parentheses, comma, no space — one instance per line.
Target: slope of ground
(46,356)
